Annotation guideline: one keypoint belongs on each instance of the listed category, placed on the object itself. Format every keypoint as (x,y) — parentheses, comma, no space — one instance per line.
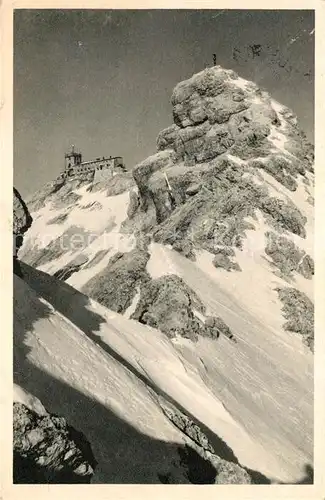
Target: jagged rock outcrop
(168,304)
(48,450)
(212,468)
(203,182)
(22,221)
(42,196)
(287,257)
(115,286)
(117,184)
(71,268)
(298,310)
(215,112)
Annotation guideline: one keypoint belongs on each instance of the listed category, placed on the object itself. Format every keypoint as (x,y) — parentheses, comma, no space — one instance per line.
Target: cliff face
(46,449)
(228,137)
(211,243)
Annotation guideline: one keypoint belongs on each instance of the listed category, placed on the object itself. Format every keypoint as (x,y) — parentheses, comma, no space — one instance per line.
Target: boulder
(48,450)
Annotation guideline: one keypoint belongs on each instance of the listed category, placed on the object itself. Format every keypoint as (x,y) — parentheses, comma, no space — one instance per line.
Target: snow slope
(96,219)
(266,379)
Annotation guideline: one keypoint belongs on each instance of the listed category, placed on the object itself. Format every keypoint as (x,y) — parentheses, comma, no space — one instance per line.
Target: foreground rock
(22,221)
(48,450)
(168,304)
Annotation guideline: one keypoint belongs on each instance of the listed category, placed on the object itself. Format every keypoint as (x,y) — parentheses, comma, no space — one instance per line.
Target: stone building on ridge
(101,168)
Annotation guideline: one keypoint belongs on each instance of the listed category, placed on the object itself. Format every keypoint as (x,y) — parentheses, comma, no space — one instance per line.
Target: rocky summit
(183,291)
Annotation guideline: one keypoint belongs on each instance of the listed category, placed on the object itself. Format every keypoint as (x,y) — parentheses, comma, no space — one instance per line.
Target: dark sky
(102,80)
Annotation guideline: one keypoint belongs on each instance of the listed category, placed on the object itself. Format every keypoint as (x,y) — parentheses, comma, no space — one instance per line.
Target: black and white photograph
(163,246)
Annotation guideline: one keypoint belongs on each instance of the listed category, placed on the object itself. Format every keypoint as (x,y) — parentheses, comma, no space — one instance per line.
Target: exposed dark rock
(59,191)
(193,189)
(243,118)
(223,261)
(67,198)
(252,141)
(39,199)
(306,266)
(214,117)
(22,220)
(214,326)
(216,215)
(168,304)
(277,167)
(199,469)
(284,215)
(134,203)
(59,219)
(298,310)
(47,450)
(144,170)
(185,247)
(93,205)
(115,286)
(74,266)
(187,426)
(167,137)
(287,257)
(96,258)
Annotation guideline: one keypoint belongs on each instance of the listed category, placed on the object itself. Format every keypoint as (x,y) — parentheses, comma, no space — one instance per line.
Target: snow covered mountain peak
(204,252)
